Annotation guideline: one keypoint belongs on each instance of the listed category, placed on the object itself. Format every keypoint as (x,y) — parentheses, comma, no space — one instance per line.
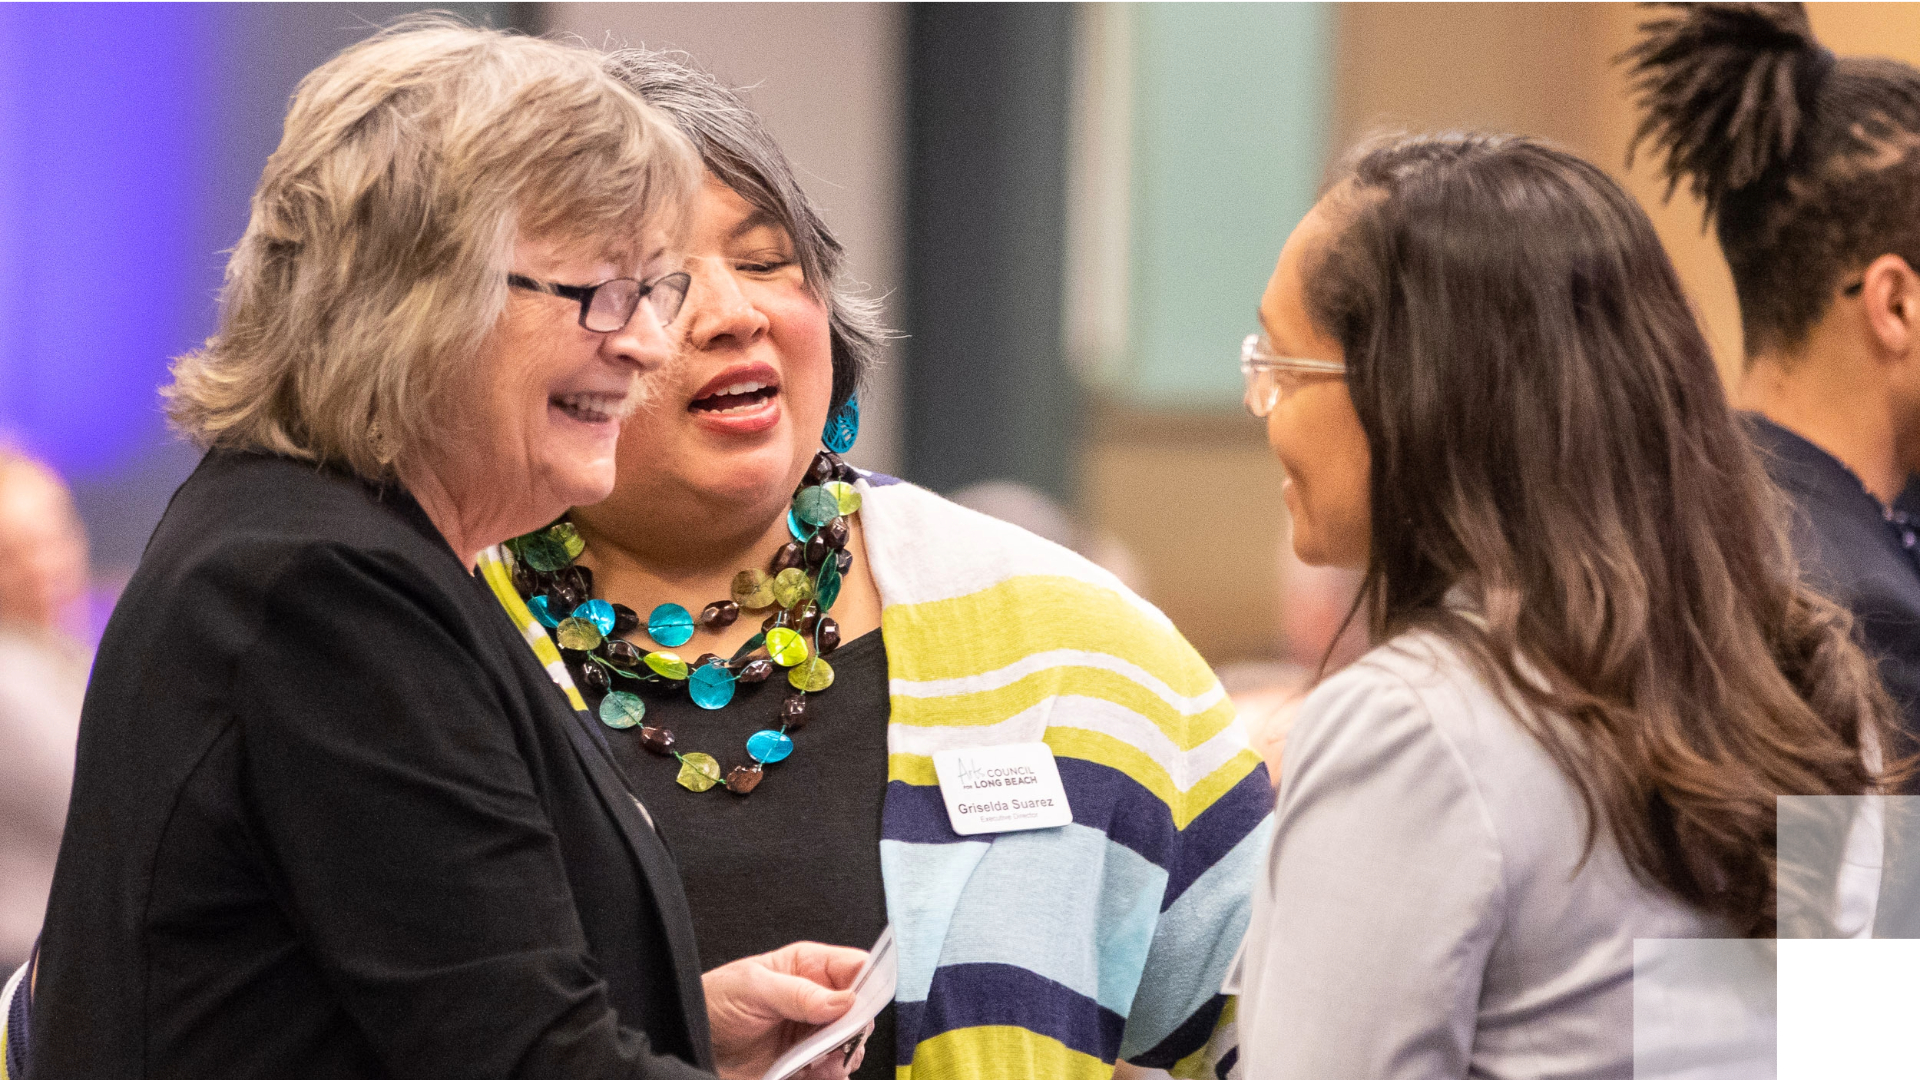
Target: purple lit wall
(131,136)
(106,116)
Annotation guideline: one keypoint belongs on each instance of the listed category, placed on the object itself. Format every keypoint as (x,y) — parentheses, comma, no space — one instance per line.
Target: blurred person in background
(1596,670)
(331,816)
(1319,635)
(785,643)
(1035,511)
(43,677)
(1809,168)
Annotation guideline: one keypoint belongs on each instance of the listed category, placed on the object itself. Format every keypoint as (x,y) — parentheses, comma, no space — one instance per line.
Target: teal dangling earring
(843,426)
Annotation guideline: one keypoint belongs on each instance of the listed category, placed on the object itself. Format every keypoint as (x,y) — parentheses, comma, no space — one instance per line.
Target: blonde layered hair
(374,263)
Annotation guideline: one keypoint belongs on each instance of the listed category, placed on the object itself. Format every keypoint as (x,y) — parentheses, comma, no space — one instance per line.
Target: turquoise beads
(768,746)
(597,612)
(670,625)
(802,581)
(711,686)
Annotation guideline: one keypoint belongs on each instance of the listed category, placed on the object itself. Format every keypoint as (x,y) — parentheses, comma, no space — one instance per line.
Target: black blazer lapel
(634,823)
(657,867)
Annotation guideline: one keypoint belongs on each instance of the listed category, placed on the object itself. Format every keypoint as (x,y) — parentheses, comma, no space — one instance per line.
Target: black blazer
(332,819)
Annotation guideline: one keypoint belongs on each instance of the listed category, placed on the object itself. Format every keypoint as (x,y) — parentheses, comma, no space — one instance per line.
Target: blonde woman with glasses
(332,817)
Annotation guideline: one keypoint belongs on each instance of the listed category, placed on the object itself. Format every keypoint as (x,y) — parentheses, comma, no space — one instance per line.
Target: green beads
(753,589)
(666,665)
(791,587)
(577,634)
(551,549)
(698,772)
(812,675)
(793,594)
(816,506)
(845,496)
(827,589)
(786,646)
(621,710)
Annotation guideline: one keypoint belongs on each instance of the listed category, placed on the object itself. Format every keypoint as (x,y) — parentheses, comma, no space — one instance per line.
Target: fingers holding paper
(840,1062)
(759,1006)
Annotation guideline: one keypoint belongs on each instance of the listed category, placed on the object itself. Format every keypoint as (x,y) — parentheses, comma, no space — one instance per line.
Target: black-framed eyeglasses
(609,306)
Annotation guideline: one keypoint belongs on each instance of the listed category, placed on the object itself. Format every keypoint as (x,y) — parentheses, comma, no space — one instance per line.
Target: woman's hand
(761,1005)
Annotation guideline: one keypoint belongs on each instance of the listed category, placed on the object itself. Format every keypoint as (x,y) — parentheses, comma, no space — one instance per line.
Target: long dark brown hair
(1549,434)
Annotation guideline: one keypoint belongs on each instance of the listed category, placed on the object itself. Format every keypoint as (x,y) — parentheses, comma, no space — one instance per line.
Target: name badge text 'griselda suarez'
(994,789)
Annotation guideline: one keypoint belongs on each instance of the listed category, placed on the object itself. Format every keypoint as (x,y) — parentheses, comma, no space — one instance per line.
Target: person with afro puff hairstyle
(1809,167)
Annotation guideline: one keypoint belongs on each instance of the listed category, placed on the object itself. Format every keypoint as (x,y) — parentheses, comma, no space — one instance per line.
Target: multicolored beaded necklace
(801,586)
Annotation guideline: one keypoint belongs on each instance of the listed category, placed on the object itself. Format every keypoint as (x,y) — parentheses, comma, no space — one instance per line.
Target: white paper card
(873,988)
(993,789)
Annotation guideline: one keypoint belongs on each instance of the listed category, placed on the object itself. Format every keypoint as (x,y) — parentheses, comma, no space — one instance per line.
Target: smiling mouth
(592,408)
(735,397)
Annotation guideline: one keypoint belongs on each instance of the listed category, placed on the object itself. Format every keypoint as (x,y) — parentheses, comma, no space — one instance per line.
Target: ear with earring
(843,426)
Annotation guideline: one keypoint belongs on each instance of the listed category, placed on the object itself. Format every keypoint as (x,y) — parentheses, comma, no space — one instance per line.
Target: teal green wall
(1230,122)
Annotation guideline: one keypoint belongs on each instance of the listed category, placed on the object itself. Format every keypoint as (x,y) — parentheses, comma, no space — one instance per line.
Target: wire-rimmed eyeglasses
(1268,376)
(609,306)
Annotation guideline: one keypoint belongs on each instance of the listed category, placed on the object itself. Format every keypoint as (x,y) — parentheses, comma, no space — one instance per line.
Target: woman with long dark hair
(1809,166)
(1596,668)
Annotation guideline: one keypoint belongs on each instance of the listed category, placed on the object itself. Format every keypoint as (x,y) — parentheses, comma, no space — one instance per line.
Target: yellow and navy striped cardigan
(1047,954)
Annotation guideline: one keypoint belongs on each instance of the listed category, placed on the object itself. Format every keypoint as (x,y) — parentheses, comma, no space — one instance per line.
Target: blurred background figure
(43,676)
(1314,604)
(1037,512)
(1316,639)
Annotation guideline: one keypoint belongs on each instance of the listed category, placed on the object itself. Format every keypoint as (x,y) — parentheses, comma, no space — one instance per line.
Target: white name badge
(991,789)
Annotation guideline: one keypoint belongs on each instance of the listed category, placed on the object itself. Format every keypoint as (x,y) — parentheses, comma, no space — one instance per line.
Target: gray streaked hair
(737,148)
(374,264)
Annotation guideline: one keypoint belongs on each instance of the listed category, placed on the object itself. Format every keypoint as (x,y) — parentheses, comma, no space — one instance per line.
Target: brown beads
(562,599)
(742,779)
(836,533)
(790,555)
(805,616)
(720,614)
(797,622)
(625,619)
(793,712)
(821,469)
